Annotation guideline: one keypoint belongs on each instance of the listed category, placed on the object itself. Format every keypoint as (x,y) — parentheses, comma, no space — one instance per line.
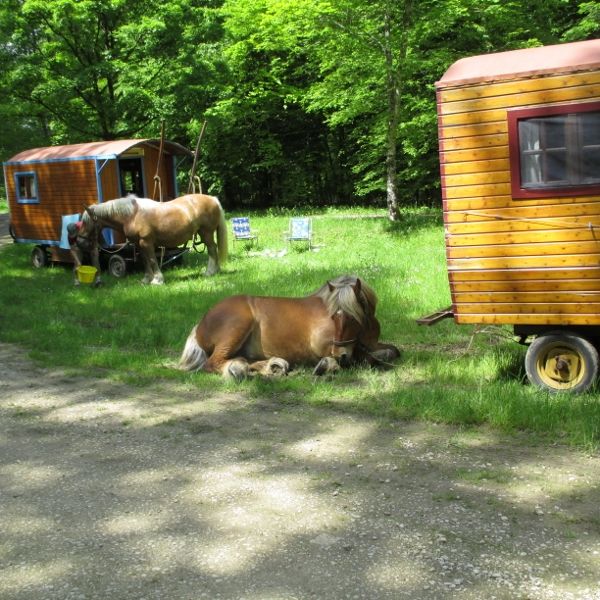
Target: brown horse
(150,224)
(334,326)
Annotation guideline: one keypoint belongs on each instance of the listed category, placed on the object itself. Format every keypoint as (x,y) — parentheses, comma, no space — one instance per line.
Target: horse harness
(361,347)
(344,342)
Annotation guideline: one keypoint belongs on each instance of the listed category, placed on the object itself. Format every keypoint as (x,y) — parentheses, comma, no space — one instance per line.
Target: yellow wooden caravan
(519,145)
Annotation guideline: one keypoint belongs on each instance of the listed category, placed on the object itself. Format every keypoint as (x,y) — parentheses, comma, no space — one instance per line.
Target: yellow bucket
(86,274)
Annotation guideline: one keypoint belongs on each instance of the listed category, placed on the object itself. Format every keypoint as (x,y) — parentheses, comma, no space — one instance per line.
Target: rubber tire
(117,266)
(39,257)
(542,348)
(11,232)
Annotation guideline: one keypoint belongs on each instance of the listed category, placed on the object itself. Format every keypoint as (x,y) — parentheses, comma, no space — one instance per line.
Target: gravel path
(109,492)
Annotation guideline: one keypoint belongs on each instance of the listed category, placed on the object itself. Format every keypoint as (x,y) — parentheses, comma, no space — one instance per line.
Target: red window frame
(514,116)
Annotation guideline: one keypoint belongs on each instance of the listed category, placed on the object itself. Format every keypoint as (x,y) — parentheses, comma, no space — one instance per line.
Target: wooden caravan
(45,185)
(519,145)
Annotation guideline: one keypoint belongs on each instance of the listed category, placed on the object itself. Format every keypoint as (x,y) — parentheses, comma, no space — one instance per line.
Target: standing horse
(243,335)
(150,224)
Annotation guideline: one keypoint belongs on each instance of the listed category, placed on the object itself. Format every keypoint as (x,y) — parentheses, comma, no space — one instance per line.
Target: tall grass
(448,373)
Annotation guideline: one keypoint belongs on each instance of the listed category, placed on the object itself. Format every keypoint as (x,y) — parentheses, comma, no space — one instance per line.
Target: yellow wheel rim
(560,366)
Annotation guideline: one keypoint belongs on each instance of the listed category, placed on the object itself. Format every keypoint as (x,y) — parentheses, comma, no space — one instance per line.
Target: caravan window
(27,189)
(555,151)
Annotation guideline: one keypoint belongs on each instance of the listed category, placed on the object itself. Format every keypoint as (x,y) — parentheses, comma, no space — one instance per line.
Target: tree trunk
(393,110)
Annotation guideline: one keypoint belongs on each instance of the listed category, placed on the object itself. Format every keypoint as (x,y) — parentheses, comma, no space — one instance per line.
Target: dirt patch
(113,492)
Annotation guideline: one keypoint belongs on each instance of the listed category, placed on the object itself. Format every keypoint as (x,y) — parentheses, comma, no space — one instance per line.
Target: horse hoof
(278,367)
(384,358)
(327,364)
(237,371)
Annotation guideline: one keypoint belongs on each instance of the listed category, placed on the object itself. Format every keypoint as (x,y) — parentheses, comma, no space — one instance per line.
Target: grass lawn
(448,373)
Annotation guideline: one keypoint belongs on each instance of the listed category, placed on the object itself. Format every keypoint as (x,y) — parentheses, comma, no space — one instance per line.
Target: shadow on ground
(113,492)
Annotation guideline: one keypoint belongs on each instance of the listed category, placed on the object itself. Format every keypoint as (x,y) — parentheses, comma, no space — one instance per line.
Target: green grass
(448,373)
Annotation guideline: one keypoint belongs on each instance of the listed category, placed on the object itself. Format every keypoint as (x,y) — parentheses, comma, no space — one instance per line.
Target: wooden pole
(157,182)
(191,185)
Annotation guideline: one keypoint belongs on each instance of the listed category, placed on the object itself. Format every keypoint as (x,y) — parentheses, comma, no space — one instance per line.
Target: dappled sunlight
(336,443)
(144,478)
(14,522)
(151,410)
(133,524)
(410,574)
(156,493)
(254,513)
(26,476)
(38,575)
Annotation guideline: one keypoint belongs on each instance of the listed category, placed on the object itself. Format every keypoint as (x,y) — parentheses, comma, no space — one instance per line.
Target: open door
(131,177)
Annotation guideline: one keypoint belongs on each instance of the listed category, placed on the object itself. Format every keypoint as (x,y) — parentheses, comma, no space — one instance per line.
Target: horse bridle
(347,342)
(355,340)
(344,342)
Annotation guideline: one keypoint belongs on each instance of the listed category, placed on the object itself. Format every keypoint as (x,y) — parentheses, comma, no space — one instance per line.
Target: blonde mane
(339,294)
(116,209)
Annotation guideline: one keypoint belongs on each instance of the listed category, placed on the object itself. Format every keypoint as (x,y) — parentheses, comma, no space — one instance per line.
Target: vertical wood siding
(513,261)
(109,177)
(165,173)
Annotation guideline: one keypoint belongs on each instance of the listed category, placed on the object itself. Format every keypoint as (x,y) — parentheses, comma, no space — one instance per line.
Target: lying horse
(244,335)
(149,224)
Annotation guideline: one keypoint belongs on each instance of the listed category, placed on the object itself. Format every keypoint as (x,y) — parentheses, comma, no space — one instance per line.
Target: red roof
(106,149)
(545,60)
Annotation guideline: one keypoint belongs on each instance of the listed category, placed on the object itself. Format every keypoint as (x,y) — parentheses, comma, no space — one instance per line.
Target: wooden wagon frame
(519,146)
(49,187)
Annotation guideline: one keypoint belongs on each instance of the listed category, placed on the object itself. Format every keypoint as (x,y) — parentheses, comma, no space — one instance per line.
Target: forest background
(306,102)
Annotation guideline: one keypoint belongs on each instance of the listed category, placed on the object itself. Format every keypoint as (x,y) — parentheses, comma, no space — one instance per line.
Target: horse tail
(193,356)
(222,236)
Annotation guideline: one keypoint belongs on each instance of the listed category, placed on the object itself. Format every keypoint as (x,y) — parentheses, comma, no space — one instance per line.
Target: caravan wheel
(561,361)
(39,257)
(117,266)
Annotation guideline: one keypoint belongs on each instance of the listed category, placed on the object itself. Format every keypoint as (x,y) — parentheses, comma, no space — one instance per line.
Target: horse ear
(331,286)
(91,212)
(357,287)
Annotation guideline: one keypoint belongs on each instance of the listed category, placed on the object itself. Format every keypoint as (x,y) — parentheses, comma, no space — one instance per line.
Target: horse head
(350,309)
(345,337)
(88,229)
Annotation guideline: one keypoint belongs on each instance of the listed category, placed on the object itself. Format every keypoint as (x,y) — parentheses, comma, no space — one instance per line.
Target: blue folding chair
(300,230)
(242,232)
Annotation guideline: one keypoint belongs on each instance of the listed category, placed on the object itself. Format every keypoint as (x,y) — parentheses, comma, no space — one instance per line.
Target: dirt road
(109,492)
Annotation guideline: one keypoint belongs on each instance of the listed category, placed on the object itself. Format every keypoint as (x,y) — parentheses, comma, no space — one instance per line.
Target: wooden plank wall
(110,180)
(63,188)
(166,174)
(111,187)
(534,261)
(110,176)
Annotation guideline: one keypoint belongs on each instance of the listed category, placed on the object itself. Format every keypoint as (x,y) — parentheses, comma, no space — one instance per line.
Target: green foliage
(308,102)
(98,68)
(447,373)
(588,27)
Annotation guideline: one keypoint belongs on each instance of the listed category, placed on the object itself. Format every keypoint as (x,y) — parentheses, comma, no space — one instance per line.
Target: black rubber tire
(562,362)
(117,266)
(11,232)
(39,257)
